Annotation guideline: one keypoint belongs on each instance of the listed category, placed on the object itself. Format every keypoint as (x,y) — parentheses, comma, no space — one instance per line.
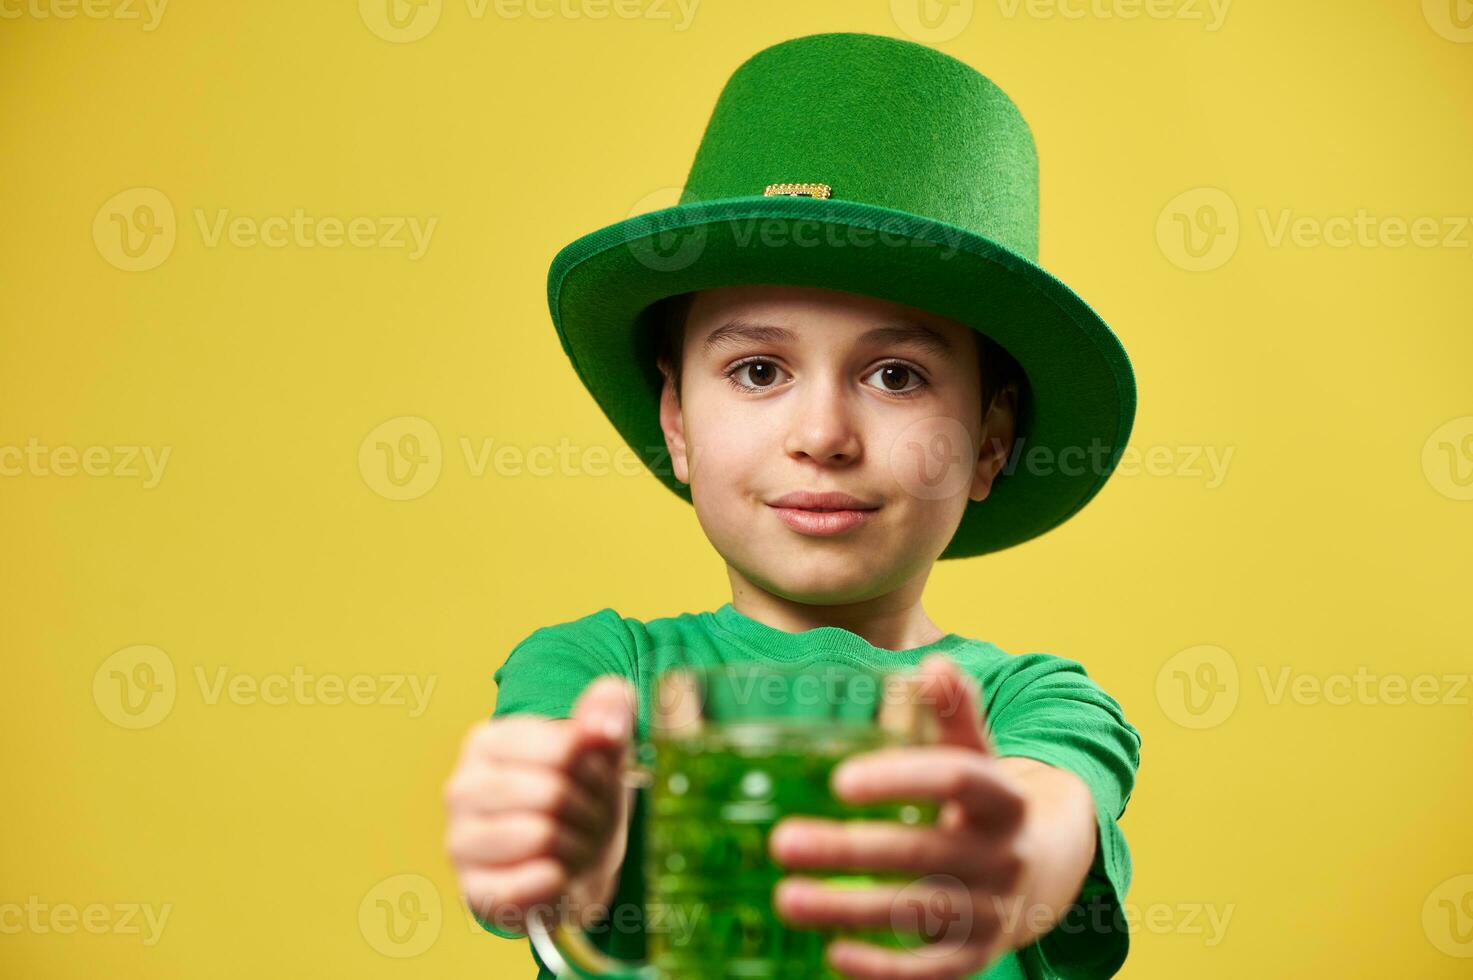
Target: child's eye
(763,375)
(896,372)
(762,371)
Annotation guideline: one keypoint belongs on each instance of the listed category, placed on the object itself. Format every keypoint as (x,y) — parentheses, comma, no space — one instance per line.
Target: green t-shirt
(1038,705)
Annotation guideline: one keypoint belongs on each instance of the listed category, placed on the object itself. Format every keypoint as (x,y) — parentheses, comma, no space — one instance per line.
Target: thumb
(956,701)
(605,711)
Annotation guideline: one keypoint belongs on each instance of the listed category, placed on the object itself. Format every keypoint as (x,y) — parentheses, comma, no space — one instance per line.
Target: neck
(893,621)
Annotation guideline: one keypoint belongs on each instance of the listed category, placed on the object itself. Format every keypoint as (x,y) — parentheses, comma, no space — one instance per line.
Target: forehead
(730,316)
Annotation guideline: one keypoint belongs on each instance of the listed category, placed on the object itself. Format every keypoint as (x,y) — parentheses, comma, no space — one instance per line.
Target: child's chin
(820,579)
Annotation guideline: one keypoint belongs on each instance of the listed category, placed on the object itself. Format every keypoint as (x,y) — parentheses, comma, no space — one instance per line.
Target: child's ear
(672,422)
(999,426)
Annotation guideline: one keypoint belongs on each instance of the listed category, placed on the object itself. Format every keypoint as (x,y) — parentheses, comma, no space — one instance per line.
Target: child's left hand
(1010,848)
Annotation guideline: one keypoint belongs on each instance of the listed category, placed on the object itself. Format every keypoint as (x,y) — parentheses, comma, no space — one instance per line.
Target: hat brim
(1082,405)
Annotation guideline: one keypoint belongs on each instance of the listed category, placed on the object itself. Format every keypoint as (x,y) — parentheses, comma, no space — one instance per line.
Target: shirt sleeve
(1049,709)
(546,672)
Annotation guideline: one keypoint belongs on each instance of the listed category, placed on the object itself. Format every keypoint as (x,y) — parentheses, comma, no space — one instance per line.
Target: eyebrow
(903,333)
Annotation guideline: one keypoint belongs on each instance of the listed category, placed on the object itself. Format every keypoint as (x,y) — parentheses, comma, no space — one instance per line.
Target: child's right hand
(536,810)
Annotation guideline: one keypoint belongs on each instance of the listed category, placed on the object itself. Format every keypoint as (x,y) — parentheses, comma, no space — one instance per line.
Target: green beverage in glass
(733,749)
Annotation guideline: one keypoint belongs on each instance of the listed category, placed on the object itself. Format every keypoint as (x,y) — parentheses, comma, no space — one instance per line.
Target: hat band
(798,190)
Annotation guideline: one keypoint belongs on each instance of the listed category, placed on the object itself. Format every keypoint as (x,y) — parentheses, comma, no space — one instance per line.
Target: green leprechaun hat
(892,170)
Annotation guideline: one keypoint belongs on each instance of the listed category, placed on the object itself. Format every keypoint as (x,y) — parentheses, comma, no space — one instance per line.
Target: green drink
(714,799)
(733,749)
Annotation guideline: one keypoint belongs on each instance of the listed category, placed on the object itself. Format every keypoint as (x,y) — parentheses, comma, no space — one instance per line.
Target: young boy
(835,348)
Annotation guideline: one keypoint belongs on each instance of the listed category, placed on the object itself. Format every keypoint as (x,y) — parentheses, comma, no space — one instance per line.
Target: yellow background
(1332,836)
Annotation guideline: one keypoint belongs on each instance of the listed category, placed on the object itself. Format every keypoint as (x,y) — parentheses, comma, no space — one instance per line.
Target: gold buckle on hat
(798,190)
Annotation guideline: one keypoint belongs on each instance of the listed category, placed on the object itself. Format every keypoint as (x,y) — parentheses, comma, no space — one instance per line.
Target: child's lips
(822,523)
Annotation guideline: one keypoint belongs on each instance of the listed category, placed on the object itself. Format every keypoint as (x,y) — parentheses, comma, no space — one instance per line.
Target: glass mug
(733,748)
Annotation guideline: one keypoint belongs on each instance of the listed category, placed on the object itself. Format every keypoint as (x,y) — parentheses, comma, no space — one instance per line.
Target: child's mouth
(821,522)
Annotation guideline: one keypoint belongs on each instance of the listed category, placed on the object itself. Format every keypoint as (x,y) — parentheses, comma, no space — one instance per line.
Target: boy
(836,364)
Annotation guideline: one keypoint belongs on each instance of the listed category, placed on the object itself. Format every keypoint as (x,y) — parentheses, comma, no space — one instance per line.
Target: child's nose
(826,425)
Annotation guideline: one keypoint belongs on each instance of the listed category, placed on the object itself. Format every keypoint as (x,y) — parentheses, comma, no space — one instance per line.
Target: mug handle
(565,947)
(566,950)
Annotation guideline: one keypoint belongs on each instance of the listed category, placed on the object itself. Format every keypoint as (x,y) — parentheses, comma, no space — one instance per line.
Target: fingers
(589,746)
(961,928)
(502,895)
(606,710)
(509,838)
(941,772)
(536,808)
(884,846)
(866,961)
(807,900)
(507,788)
(956,701)
(531,740)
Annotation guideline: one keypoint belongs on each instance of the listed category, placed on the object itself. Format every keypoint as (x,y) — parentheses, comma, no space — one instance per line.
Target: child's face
(815,402)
